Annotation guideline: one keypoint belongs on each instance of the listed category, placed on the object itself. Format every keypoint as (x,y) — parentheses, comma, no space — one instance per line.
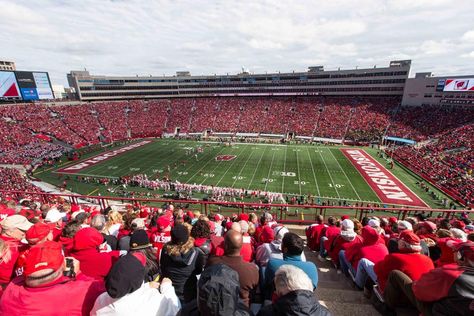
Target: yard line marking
(330,176)
(344,173)
(234,160)
(314,175)
(256,168)
(241,169)
(298,167)
(203,166)
(284,170)
(269,171)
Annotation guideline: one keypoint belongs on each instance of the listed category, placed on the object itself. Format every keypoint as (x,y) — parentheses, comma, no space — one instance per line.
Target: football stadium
(323,191)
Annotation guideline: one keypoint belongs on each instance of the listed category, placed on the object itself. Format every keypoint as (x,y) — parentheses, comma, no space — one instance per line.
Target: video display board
(9,89)
(459,85)
(34,85)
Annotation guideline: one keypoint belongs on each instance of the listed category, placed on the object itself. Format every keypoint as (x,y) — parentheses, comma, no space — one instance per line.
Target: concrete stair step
(341,295)
(349,309)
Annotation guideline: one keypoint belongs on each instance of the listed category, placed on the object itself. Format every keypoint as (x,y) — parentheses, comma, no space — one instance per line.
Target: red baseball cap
(47,255)
(244,217)
(37,232)
(163,222)
(410,237)
(343,217)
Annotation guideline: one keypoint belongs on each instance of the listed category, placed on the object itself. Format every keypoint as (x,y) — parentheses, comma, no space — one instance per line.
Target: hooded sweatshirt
(370,249)
(85,249)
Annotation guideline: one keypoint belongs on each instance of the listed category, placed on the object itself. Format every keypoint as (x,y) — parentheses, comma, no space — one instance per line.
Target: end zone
(76,168)
(388,188)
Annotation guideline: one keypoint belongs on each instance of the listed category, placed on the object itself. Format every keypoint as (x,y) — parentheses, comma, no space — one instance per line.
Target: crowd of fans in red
(425,264)
(77,259)
(446,161)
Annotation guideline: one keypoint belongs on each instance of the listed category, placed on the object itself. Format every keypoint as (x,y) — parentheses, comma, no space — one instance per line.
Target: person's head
(44,263)
(137,224)
(443,233)
(126,275)
(470,237)
(292,244)
(44,210)
(409,242)
(445,224)
(289,278)
(251,230)
(236,226)
(54,216)
(357,226)
(70,229)
(218,291)
(280,231)
(370,236)
(114,217)
(268,217)
(201,229)
(181,241)
(404,225)
(319,219)
(347,230)
(244,226)
(81,216)
(98,222)
(331,221)
(39,233)
(87,238)
(267,235)
(233,243)
(163,223)
(464,254)
(139,240)
(15,226)
(459,234)
(426,227)
(253,218)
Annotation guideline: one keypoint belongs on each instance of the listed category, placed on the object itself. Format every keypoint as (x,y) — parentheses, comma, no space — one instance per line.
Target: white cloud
(206,37)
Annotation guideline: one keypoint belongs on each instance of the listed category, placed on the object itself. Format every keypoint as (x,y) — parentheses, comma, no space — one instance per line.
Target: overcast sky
(205,37)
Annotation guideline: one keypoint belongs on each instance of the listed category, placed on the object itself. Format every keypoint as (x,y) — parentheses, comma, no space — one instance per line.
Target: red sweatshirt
(414,265)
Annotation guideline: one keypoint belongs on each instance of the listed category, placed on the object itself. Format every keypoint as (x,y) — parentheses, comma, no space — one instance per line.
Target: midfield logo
(225,157)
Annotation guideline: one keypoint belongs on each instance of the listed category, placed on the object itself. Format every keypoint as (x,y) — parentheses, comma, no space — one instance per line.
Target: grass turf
(319,170)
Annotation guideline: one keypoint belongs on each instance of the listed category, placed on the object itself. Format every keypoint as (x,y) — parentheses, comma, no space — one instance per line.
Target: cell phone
(69,271)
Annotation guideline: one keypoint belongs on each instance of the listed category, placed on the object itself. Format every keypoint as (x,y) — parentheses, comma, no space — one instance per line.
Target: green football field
(319,170)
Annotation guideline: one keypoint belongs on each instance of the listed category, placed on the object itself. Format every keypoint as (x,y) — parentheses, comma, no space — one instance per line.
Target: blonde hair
(114,217)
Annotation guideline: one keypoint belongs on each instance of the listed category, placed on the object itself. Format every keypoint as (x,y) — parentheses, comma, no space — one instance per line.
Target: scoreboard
(25,85)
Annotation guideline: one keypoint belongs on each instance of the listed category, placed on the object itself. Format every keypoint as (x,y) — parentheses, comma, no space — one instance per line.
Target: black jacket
(296,303)
(219,289)
(182,271)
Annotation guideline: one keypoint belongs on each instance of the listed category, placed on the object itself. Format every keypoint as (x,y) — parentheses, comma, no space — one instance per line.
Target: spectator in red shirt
(93,263)
(43,289)
(313,233)
(409,260)
(13,231)
(327,236)
(370,249)
(346,236)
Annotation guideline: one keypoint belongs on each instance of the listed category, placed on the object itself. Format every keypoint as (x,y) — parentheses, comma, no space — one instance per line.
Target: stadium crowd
(38,134)
(79,259)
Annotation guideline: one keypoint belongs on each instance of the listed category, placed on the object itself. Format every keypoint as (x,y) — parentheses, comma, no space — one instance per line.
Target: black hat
(179,234)
(126,276)
(139,240)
